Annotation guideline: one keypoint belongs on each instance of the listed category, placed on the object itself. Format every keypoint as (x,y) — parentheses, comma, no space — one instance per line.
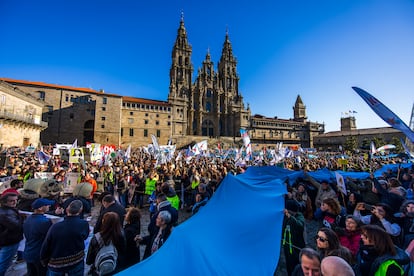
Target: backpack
(106,258)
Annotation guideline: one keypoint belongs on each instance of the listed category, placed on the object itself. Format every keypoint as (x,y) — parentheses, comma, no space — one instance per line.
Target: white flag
(75,144)
(340,182)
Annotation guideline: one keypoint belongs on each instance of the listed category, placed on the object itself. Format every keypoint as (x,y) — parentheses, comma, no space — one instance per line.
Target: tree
(351,144)
(366,144)
(378,142)
(397,143)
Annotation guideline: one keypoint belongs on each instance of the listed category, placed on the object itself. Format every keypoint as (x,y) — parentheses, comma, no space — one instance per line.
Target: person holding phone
(381,215)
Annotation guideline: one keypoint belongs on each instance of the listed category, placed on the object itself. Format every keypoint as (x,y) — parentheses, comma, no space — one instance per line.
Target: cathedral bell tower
(299,110)
(180,82)
(230,101)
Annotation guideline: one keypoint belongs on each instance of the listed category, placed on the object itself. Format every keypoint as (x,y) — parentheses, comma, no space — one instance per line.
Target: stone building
(331,141)
(140,118)
(291,132)
(206,106)
(20,117)
(75,113)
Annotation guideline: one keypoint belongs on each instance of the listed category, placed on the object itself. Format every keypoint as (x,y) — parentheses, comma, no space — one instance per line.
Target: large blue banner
(238,232)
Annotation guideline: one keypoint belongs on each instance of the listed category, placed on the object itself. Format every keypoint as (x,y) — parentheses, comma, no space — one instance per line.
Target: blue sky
(316,49)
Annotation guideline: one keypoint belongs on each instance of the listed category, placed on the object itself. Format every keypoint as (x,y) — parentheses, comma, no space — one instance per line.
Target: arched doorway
(88,131)
(207,128)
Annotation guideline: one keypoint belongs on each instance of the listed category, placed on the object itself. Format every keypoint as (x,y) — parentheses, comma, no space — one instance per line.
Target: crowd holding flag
(246,142)
(43,157)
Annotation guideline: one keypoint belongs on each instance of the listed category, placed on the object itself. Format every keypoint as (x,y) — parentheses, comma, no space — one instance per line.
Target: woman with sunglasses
(378,255)
(327,244)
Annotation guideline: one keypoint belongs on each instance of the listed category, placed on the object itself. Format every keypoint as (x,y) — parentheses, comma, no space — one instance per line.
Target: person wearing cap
(15,185)
(35,229)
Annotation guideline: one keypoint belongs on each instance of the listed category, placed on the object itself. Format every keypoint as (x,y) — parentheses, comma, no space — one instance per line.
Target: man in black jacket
(11,230)
(109,204)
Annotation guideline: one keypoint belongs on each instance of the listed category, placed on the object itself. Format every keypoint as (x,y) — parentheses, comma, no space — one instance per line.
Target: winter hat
(291,205)
(40,202)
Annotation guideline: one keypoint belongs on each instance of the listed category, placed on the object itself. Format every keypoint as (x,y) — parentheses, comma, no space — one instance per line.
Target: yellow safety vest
(382,270)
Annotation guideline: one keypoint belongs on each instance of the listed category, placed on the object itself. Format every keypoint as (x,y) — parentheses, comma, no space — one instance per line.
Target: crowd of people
(369,229)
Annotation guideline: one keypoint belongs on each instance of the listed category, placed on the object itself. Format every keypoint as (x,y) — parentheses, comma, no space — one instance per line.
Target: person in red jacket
(89,178)
(350,237)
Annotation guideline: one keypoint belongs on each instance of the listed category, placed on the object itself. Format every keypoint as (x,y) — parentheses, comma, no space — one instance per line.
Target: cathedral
(211,104)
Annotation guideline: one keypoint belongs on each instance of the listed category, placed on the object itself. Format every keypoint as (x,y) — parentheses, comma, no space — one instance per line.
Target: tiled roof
(143,101)
(57,86)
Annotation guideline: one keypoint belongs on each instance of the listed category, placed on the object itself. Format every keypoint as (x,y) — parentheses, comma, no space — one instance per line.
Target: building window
(42,95)
(122,131)
(104,100)
(131,132)
(103,108)
(157,123)
(168,123)
(145,132)
(146,122)
(103,118)
(102,126)
(131,113)
(158,115)
(158,133)
(66,98)
(146,114)
(71,116)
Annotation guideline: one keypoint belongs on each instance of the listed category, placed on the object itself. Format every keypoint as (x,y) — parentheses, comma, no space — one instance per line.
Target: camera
(368,207)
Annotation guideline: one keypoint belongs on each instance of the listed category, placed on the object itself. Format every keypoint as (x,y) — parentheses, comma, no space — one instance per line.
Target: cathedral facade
(212,104)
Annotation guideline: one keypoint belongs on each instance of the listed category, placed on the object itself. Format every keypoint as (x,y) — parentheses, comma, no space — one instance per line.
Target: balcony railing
(4,114)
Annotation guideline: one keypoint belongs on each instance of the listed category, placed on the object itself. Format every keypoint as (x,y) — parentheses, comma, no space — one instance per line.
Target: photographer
(381,215)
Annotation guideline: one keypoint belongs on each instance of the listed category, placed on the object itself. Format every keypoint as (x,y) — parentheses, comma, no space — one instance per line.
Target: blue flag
(385,113)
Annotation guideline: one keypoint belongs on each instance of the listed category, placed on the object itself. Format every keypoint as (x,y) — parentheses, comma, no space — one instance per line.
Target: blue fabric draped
(238,232)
